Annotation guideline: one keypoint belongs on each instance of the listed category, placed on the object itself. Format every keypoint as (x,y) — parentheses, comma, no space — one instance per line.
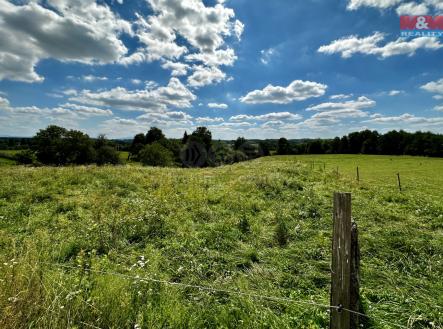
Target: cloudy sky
(259,69)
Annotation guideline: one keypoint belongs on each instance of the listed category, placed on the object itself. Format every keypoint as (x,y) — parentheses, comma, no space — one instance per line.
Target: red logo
(421,23)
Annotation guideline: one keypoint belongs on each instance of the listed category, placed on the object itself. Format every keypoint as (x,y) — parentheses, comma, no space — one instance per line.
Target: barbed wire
(194,286)
(227,291)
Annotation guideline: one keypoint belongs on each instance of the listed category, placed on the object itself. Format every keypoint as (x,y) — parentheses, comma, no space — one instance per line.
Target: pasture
(139,247)
(6,157)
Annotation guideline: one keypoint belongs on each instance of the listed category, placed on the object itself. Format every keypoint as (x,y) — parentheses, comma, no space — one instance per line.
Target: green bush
(237,156)
(156,155)
(107,154)
(25,157)
(281,233)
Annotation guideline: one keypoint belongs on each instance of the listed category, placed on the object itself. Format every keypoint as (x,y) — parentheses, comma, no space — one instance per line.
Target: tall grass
(76,244)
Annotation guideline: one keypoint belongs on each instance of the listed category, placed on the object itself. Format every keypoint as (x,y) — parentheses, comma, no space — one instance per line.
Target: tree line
(196,149)
(59,146)
(369,142)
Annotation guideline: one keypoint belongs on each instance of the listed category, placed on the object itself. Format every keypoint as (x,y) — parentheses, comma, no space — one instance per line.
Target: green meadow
(140,247)
(7,157)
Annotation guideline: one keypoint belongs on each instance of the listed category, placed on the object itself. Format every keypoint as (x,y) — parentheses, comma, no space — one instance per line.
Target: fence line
(193,286)
(227,291)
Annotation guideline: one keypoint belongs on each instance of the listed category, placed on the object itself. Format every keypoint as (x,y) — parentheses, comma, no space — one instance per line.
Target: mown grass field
(78,244)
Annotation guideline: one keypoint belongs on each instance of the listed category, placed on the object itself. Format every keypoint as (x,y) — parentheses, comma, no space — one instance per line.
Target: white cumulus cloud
(351,45)
(382,4)
(412,8)
(403,7)
(204,30)
(218,106)
(435,87)
(204,76)
(206,120)
(297,90)
(175,94)
(273,116)
(361,103)
(78,31)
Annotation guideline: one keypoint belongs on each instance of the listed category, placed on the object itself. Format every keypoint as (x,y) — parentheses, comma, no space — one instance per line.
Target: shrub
(243,225)
(281,233)
(156,155)
(25,157)
(237,156)
(107,155)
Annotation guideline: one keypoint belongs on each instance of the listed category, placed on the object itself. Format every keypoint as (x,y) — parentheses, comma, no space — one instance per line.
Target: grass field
(79,246)
(6,157)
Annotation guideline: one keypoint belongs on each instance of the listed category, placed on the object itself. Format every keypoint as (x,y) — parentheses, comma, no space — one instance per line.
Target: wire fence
(231,292)
(385,178)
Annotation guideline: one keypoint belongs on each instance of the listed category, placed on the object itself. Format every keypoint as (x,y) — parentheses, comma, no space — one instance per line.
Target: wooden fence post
(358,175)
(399,182)
(355,277)
(341,263)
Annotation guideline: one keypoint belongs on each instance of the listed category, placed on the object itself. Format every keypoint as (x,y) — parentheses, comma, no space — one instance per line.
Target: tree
(78,148)
(204,136)
(283,146)
(239,142)
(264,149)
(370,143)
(48,145)
(172,145)
(137,144)
(154,135)
(392,143)
(344,145)
(315,147)
(58,146)
(335,146)
(185,137)
(156,155)
(104,152)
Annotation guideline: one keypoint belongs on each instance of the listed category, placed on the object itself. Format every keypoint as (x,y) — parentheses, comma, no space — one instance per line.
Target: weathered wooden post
(341,263)
(355,277)
(399,182)
(358,175)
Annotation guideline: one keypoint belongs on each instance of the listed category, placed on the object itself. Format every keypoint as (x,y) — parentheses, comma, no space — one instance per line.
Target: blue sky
(259,69)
